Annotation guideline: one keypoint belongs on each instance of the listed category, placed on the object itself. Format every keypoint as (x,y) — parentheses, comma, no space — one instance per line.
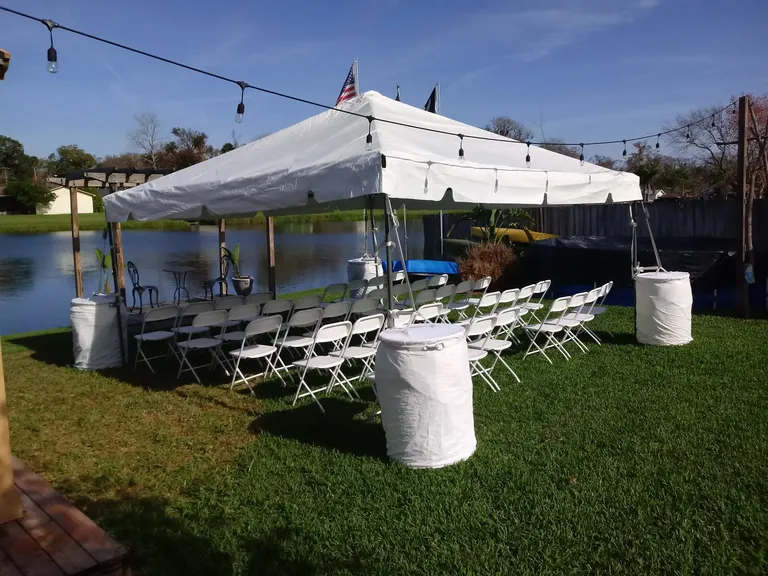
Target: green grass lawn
(628,459)
(30,224)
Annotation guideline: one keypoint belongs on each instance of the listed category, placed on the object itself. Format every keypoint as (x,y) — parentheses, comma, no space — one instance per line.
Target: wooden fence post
(271,280)
(119,254)
(741,173)
(10,502)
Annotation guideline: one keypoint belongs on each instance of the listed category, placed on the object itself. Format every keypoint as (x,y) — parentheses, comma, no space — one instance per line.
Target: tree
(557,145)
(604,161)
(14,160)
(70,158)
(505,126)
(126,160)
(234,144)
(189,148)
(147,139)
(30,193)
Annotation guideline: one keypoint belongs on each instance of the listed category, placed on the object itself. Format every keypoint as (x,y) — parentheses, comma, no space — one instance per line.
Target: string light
(53,58)
(369,138)
(658,137)
(53,68)
(688,133)
(461,147)
(528,155)
(581,156)
(713,121)
(625,148)
(241,106)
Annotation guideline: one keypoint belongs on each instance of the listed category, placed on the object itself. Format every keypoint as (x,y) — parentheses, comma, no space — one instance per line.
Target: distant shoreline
(38,224)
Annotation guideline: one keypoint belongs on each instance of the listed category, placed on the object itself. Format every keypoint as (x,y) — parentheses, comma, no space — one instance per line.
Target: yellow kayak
(513,234)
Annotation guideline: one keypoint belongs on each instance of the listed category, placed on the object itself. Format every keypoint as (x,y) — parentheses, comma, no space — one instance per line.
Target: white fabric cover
(363,268)
(425,391)
(664,301)
(322,163)
(95,336)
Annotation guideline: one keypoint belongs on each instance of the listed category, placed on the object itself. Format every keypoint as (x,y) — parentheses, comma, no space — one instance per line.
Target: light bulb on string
(241,107)
(369,138)
(625,148)
(688,133)
(658,137)
(581,156)
(53,59)
(461,147)
(713,121)
(528,155)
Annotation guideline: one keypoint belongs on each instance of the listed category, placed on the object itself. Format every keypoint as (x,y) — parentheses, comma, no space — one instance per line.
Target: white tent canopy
(322,164)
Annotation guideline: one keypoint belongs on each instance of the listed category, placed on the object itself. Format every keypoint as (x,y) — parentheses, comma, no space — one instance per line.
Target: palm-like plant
(491,220)
(234,258)
(105,262)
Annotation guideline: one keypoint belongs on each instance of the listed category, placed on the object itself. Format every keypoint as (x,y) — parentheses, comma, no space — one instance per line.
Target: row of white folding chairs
(325,347)
(567,319)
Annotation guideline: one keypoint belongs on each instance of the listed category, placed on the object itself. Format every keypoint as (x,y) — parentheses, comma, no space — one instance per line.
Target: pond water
(37,279)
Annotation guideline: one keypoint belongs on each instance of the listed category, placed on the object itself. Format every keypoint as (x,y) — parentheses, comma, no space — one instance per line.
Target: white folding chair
(378,295)
(574,318)
(215,321)
(480,286)
(378,282)
(228,302)
(429,312)
(357,289)
(548,328)
(438,281)
(486,305)
(248,351)
(294,344)
(460,300)
(336,335)
(533,305)
(236,318)
(585,314)
(306,303)
(281,307)
(336,312)
(149,333)
(479,330)
(403,318)
(423,297)
(496,345)
(190,311)
(259,298)
(445,295)
(368,329)
(334,293)
(400,292)
(364,307)
(508,299)
(420,285)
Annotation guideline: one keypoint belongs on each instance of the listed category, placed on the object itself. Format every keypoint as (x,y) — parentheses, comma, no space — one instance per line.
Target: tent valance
(322,164)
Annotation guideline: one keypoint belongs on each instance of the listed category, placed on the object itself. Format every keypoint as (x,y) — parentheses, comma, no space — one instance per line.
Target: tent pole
(120,287)
(387,219)
(271,255)
(118,299)
(76,242)
(442,251)
(222,246)
(405,234)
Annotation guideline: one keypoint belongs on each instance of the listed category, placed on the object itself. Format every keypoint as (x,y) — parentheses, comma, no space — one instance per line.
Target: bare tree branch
(147,139)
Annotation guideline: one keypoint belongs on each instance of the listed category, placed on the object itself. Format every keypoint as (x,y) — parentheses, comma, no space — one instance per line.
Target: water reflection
(36,271)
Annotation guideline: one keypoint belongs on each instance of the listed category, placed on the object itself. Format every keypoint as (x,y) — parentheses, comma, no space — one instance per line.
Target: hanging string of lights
(53,67)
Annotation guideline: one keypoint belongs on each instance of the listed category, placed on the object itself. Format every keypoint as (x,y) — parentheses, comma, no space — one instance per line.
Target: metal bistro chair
(221,280)
(133,272)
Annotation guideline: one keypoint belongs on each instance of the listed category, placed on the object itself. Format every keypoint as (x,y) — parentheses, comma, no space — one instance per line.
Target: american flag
(348,90)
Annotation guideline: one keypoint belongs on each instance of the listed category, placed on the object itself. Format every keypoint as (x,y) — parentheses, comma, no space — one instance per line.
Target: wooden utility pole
(222,245)
(76,242)
(10,502)
(119,258)
(271,255)
(741,175)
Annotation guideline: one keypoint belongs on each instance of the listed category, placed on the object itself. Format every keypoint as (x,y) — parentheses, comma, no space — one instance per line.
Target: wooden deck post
(76,242)
(10,502)
(271,255)
(742,288)
(119,261)
(222,245)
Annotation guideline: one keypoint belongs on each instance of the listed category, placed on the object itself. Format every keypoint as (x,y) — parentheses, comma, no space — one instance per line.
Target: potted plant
(243,284)
(105,263)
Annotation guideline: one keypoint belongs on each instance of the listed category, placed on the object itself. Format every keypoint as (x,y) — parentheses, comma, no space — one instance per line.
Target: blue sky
(591,69)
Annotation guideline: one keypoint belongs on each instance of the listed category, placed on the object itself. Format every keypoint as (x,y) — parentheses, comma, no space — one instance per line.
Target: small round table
(180,278)
(425,390)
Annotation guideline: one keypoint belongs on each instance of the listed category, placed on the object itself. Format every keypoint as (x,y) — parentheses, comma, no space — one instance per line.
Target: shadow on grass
(51,348)
(344,427)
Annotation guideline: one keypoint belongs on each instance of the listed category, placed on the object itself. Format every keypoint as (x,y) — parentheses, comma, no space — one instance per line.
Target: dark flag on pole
(398,93)
(431,105)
